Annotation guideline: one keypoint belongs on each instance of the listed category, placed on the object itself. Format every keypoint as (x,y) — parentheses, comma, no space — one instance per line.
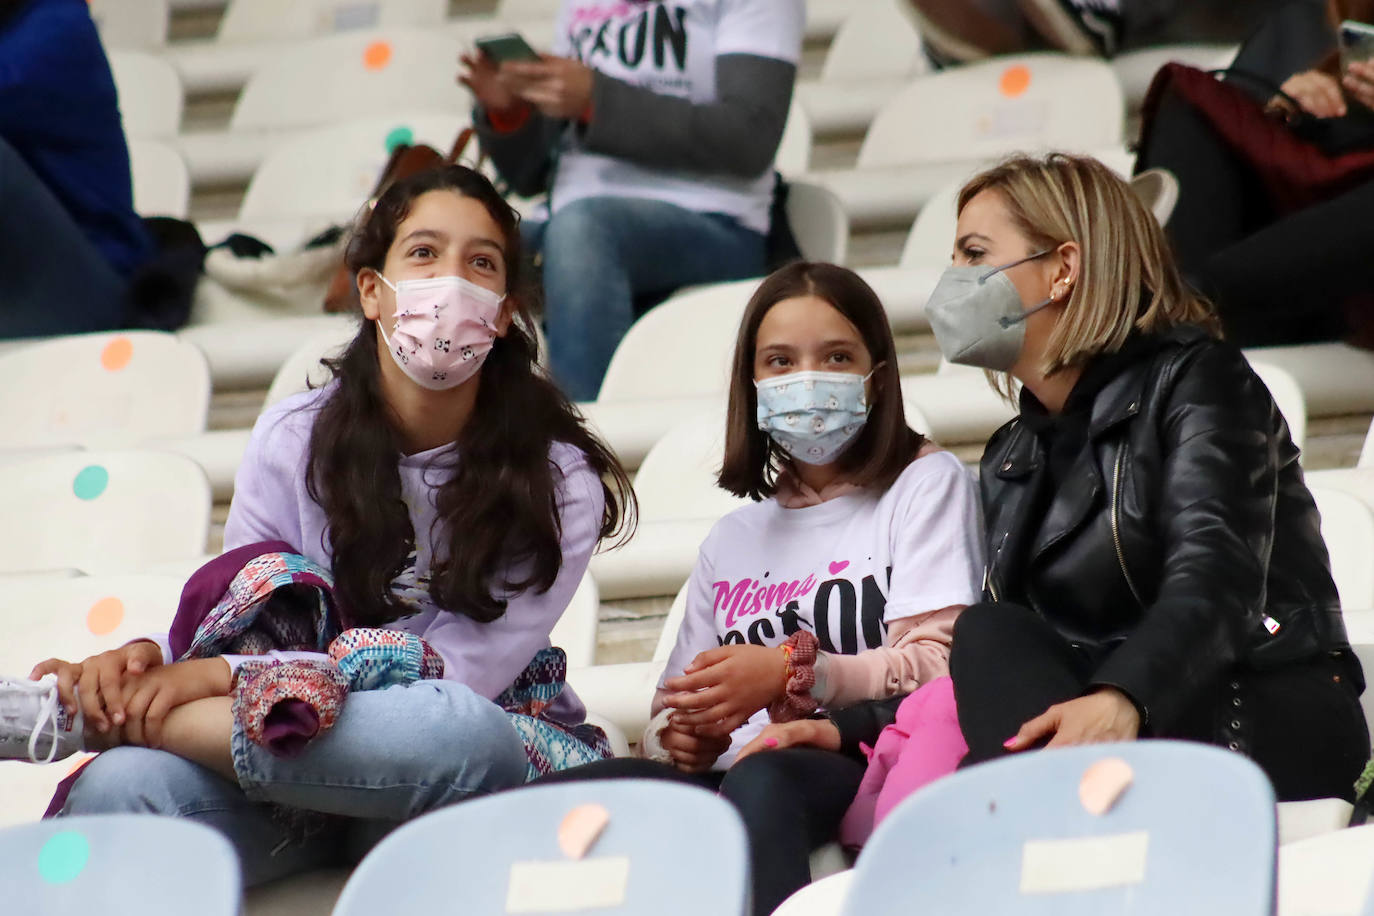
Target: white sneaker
(32,718)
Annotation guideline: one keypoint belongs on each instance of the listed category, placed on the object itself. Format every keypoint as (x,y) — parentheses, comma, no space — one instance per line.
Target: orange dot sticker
(1015,81)
(117,354)
(377,55)
(105,616)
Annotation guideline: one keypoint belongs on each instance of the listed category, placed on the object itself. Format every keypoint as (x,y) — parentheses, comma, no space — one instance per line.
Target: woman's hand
(149,697)
(558,86)
(1101,716)
(723,687)
(820,733)
(1359,82)
(692,752)
(100,681)
(482,76)
(1318,93)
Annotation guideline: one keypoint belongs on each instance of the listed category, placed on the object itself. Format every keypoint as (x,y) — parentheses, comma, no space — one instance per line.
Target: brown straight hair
(886,445)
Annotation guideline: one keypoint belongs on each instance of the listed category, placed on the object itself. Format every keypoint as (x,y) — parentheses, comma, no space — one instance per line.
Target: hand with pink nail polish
(820,733)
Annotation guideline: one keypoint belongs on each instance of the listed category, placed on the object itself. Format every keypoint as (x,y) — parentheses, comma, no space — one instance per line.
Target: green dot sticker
(63,857)
(399,136)
(91,482)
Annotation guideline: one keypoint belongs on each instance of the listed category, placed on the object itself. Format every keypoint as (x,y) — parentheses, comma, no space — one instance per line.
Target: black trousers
(1302,724)
(1275,278)
(791,801)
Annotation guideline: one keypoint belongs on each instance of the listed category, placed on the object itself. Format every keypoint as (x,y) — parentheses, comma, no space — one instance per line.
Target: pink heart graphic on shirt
(837,568)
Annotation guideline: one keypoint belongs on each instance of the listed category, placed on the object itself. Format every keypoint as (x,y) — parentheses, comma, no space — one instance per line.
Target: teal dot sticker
(63,857)
(399,136)
(91,482)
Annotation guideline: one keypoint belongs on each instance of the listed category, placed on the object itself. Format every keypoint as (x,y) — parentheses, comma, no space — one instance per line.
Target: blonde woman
(1155,567)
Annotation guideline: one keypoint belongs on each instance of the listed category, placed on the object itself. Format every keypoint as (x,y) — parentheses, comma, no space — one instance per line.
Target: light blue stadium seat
(118,865)
(672,850)
(1193,834)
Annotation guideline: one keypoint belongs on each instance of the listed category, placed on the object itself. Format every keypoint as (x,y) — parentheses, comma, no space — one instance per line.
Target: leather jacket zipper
(1116,525)
(988,582)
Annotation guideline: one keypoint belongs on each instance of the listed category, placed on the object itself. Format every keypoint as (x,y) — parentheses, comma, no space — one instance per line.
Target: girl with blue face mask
(837,587)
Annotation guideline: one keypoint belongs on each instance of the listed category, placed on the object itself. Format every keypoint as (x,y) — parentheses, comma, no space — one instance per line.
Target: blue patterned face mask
(813,416)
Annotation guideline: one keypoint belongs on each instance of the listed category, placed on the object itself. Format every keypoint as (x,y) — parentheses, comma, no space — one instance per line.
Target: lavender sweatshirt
(271,503)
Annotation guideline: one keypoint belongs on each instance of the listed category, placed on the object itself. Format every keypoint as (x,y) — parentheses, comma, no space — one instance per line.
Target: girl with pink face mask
(455,497)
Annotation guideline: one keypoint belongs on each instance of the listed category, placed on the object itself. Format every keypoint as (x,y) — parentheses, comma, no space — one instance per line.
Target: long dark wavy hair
(498,511)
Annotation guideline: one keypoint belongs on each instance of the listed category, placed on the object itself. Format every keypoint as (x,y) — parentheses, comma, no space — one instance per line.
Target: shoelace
(47,711)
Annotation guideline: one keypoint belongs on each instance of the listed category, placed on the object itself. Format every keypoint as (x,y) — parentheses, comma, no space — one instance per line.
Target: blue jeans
(55,280)
(603,253)
(392,755)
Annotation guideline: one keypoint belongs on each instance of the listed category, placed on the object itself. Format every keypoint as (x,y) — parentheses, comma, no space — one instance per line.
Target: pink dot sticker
(377,55)
(105,616)
(117,354)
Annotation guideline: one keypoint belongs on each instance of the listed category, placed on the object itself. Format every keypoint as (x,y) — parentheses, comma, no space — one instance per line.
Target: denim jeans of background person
(423,746)
(603,253)
(69,237)
(653,127)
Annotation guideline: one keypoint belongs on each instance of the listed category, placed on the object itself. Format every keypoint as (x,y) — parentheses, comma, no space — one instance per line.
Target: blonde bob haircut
(1127,277)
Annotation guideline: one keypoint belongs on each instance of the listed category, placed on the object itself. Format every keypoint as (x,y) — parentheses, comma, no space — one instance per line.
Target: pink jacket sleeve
(916,653)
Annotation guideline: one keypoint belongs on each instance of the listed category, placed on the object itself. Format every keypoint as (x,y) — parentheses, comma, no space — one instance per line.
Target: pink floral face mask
(443,330)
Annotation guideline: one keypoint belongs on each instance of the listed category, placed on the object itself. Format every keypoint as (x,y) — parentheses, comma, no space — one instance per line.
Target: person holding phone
(653,126)
(1279,273)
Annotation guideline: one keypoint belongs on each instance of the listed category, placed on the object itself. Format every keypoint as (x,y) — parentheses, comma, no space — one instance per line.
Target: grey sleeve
(523,157)
(736,135)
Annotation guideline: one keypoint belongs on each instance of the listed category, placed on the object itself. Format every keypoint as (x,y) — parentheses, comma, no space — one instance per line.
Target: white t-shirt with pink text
(843,569)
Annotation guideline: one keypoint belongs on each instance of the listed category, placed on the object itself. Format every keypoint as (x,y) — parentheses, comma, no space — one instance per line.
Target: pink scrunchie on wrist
(797,702)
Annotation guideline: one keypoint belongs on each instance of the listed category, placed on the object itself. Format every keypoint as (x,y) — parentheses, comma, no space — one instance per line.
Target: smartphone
(509,47)
(1357,42)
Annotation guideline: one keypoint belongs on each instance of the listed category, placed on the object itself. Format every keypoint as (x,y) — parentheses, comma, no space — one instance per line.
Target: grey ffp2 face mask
(977,316)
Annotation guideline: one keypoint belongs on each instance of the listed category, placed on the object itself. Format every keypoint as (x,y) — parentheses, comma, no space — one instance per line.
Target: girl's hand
(1102,716)
(820,733)
(691,752)
(723,687)
(1359,82)
(148,698)
(1318,93)
(558,86)
(483,77)
(100,681)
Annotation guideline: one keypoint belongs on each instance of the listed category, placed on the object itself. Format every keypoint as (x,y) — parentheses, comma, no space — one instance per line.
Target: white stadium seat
(162,185)
(271,20)
(818,222)
(931,131)
(1288,396)
(134,24)
(113,389)
(324,81)
(1348,529)
(875,52)
(150,96)
(794,150)
(102,512)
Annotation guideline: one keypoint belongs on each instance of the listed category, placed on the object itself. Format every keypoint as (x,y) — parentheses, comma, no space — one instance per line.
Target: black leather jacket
(1181,541)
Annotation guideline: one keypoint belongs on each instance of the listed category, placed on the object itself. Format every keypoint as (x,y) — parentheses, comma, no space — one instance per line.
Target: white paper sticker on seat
(1086,864)
(566,887)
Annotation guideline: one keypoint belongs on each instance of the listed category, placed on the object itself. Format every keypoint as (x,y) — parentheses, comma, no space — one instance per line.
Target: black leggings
(1302,723)
(791,801)
(1275,278)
